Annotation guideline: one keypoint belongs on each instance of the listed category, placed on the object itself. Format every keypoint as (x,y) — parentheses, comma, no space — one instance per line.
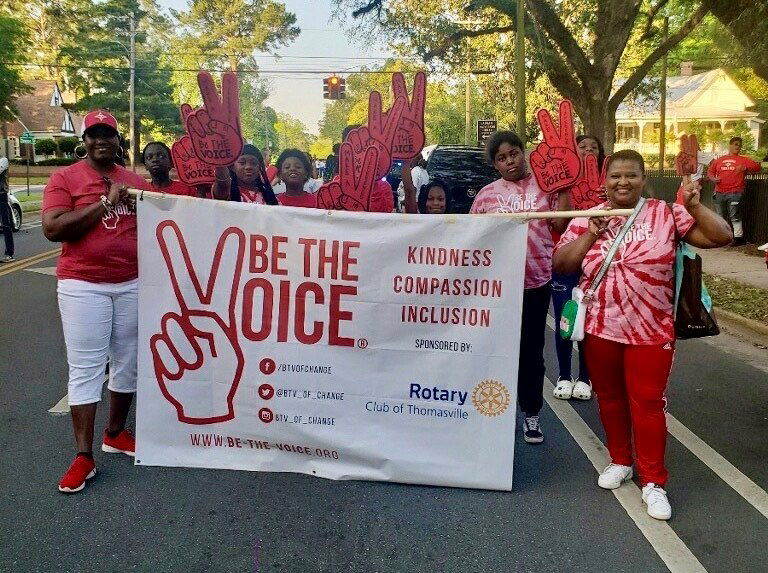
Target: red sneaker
(74,480)
(123,443)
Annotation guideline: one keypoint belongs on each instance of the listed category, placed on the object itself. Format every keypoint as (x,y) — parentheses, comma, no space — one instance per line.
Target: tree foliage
(15,40)
(580,45)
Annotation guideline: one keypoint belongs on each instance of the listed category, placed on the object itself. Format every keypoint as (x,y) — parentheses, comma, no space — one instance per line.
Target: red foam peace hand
(190,169)
(379,133)
(352,191)
(197,357)
(215,128)
(590,188)
(554,162)
(687,161)
(409,137)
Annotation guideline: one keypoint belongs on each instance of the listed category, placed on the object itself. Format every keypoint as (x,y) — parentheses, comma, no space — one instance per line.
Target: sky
(320,46)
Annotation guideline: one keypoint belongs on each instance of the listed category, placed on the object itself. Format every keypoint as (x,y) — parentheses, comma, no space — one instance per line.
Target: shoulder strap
(615,247)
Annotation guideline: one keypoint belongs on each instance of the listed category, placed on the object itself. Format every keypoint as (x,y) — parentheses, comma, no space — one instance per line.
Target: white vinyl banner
(340,345)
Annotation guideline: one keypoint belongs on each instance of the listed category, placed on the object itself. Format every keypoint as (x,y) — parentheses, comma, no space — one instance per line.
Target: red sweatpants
(630,383)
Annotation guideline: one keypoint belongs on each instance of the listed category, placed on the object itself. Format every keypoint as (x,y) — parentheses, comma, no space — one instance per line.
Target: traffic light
(334,87)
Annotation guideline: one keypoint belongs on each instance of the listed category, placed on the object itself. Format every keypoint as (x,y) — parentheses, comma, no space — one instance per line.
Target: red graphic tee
(175,188)
(107,251)
(521,196)
(634,302)
(726,168)
(303,200)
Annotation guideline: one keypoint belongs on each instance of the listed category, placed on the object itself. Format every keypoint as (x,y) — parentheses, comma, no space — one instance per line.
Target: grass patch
(33,196)
(743,299)
(23,181)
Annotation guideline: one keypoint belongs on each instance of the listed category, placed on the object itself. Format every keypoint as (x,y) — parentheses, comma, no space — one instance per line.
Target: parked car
(464,168)
(16,212)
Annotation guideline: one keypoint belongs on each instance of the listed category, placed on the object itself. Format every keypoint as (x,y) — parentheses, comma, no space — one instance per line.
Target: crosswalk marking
(670,548)
(725,470)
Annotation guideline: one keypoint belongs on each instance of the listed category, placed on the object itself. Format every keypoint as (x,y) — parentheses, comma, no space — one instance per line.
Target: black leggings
(530,377)
(6,219)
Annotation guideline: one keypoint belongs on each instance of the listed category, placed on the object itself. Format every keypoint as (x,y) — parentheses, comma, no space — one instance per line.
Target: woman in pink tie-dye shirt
(629,342)
(517,191)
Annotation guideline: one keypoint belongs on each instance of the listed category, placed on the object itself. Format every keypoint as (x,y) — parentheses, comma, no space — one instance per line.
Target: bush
(60,161)
(651,160)
(68,144)
(669,160)
(45,146)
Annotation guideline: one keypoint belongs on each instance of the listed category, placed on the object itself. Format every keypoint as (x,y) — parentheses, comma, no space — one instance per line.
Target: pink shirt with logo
(106,253)
(520,196)
(634,302)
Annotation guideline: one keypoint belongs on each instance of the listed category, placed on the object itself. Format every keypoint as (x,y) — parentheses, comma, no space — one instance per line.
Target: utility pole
(663,104)
(132,87)
(468,110)
(520,69)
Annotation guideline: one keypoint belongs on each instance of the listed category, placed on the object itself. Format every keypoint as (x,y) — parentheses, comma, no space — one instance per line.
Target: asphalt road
(556,519)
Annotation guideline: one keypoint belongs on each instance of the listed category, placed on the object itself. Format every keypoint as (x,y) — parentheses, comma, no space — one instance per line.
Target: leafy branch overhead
(594,53)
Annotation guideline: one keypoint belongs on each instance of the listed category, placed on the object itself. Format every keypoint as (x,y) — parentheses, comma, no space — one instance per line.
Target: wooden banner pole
(525,215)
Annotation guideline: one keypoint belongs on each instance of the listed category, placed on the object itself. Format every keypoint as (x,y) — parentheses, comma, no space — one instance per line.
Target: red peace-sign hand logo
(197,357)
(554,162)
(215,128)
(189,168)
(590,188)
(409,138)
(687,161)
(352,191)
(379,134)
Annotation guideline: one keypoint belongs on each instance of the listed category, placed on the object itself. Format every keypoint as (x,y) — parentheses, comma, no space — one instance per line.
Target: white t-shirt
(420,177)
(311,186)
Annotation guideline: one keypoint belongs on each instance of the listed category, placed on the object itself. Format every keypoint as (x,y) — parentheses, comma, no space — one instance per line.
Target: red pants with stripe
(630,383)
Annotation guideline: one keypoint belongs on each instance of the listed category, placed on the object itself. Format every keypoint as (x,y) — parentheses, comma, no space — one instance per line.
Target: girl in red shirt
(156,157)
(246,181)
(629,342)
(294,169)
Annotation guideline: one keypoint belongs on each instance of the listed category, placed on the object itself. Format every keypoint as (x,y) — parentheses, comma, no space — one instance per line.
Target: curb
(753,325)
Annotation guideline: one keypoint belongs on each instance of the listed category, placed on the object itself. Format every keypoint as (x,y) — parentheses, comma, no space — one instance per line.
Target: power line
(195,70)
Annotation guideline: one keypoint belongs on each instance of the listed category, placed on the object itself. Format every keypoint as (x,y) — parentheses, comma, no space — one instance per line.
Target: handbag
(574,313)
(693,313)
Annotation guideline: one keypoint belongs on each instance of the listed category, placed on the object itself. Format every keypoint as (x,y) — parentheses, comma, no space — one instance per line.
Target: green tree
(579,45)
(291,133)
(102,61)
(67,144)
(46,146)
(228,32)
(15,41)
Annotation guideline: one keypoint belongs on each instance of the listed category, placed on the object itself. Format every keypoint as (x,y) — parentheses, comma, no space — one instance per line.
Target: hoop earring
(83,150)
(120,154)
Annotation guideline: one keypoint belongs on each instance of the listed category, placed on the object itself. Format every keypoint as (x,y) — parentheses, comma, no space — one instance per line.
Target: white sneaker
(614,475)
(582,390)
(563,389)
(656,500)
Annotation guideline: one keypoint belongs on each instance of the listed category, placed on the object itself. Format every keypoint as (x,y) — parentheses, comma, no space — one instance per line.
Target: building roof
(682,95)
(42,113)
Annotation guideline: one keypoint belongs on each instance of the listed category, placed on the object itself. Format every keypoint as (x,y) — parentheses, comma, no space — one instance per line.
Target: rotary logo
(490,398)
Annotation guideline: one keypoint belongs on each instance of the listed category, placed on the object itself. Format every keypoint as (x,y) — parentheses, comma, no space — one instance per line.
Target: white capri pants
(100,321)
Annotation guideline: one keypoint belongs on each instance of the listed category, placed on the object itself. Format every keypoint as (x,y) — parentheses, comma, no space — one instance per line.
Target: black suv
(462,167)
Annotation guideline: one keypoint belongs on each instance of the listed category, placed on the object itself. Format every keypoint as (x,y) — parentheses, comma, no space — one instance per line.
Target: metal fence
(754,204)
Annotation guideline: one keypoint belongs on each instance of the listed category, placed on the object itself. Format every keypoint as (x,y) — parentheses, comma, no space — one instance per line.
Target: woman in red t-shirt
(156,157)
(294,169)
(629,342)
(246,181)
(86,207)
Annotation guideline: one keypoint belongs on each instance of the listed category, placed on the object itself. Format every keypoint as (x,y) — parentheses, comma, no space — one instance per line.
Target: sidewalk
(734,265)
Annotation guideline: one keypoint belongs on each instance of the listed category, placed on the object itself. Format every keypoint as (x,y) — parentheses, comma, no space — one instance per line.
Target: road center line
(29,261)
(752,493)
(670,548)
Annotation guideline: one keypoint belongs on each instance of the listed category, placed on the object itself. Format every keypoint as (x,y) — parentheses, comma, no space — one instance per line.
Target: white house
(712,98)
